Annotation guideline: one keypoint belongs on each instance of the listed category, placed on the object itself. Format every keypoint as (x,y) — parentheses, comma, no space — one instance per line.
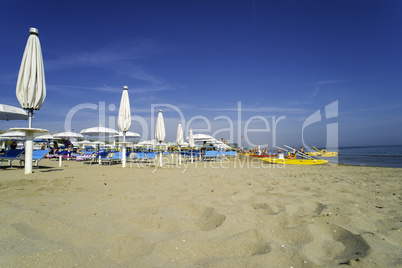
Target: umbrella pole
(160,153)
(123,157)
(30,113)
(28,152)
(179,156)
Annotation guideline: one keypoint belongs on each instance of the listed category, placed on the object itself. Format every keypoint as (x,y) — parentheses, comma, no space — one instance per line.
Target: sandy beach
(237,213)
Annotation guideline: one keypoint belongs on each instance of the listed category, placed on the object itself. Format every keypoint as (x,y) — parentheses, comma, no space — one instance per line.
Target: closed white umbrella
(160,133)
(179,139)
(31,90)
(31,86)
(191,139)
(191,143)
(124,121)
(8,112)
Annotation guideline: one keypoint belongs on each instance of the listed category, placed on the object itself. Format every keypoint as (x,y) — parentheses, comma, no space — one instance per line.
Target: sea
(381,156)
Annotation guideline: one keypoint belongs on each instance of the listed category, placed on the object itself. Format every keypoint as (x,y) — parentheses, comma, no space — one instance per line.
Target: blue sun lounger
(136,158)
(11,155)
(149,157)
(95,157)
(231,153)
(115,158)
(210,155)
(37,155)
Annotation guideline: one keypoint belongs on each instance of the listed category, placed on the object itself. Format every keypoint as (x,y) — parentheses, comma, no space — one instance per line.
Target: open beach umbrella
(12,134)
(179,139)
(45,137)
(160,133)
(124,121)
(98,142)
(202,137)
(191,143)
(68,135)
(99,131)
(8,112)
(85,142)
(147,143)
(31,90)
(129,134)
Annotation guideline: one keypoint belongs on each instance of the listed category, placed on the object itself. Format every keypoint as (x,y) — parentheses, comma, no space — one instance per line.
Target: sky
(315,73)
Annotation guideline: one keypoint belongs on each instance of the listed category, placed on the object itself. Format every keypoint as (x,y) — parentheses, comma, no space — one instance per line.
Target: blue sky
(278,58)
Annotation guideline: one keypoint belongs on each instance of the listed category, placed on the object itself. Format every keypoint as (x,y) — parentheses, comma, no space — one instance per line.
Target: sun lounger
(194,155)
(210,155)
(149,157)
(95,157)
(84,156)
(11,155)
(130,156)
(37,155)
(231,153)
(115,158)
(51,156)
(136,158)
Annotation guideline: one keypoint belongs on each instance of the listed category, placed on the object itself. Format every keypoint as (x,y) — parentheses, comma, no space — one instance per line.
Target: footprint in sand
(250,243)
(268,209)
(332,244)
(210,220)
(29,231)
(306,208)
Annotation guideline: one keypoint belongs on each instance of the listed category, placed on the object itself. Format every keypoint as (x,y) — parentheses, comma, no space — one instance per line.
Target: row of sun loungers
(115,157)
(107,157)
(218,155)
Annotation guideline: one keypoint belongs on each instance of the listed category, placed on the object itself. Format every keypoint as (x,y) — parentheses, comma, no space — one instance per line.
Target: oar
(290,151)
(283,149)
(303,154)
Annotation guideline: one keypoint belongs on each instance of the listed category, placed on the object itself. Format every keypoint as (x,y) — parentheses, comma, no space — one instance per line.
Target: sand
(237,213)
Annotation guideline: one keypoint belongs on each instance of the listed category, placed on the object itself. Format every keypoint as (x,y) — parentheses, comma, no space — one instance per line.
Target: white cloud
(260,110)
(118,57)
(319,85)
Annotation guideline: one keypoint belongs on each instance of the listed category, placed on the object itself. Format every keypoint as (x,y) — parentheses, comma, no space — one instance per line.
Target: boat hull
(295,161)
(327,154)
(322,153)
(263,155)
